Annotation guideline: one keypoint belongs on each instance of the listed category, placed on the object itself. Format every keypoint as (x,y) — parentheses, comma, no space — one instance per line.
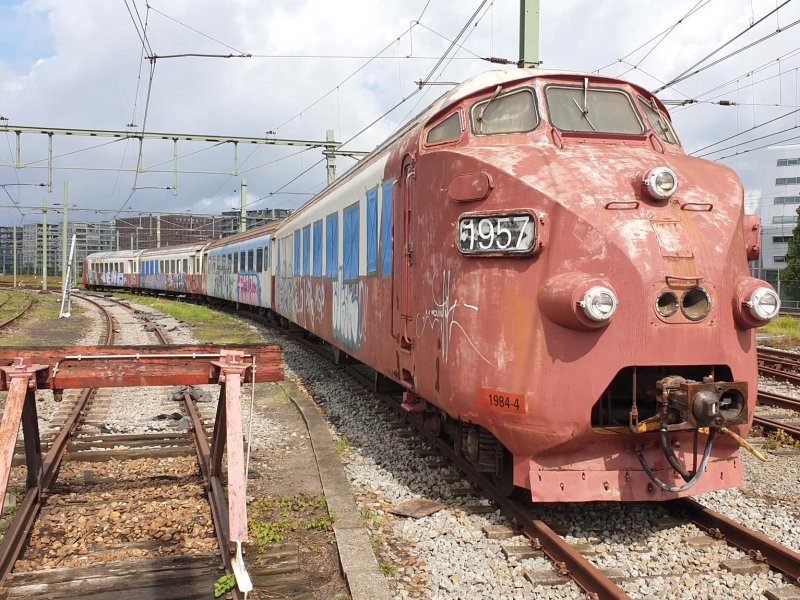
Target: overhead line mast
(528,34)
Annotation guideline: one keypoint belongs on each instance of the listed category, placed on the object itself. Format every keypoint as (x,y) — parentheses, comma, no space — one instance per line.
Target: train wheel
(503,477)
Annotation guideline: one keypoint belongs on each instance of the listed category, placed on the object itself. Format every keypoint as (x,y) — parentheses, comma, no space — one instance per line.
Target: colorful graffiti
(349,321)
(443,317)
(286,296)
(312,301)
(249,289)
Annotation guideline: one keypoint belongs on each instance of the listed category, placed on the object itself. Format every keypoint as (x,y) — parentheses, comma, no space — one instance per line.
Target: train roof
(258,231)
(482,81)
(497,77)
(181,249)
(115,254)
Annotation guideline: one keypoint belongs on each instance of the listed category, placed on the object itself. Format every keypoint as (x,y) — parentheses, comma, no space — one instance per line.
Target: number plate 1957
(503,401)
(498,234)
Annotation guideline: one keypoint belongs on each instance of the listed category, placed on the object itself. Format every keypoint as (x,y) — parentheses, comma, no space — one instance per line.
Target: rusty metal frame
(53,368)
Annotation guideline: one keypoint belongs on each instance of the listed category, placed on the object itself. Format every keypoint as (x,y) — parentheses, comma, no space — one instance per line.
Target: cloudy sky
(79,64)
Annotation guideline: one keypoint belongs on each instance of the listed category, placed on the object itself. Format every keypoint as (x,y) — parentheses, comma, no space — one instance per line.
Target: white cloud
(85,75)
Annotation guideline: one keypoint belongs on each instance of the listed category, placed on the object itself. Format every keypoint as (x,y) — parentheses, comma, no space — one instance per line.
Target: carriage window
(267,257)
(659,122)
(592,110)
(173,267)
(185,265)
(259,260)
(250,260)
(510,113)
(297,243)
(235,262)
(317,266)
(446,131)
(162,266)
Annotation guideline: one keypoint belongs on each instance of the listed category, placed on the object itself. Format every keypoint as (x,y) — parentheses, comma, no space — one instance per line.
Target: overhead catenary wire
(730,137)
(205,35)
(398,104)
(668,30)
(700,4)
(689,72)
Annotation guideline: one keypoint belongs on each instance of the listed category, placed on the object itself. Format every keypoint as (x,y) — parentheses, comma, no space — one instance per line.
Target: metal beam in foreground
(65,368)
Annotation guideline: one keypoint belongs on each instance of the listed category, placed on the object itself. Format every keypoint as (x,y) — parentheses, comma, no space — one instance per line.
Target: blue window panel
(307,250)
(386,229)
(318,249)
(297,263)
(351,242)
(332,245)
(372,231)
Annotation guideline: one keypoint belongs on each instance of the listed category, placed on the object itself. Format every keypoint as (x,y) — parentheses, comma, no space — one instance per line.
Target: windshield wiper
(485,106)
(585,109)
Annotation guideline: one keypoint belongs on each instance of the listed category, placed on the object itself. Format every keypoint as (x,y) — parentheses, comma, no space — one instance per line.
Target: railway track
(28,305)
(783,365)
(129,516)
(567,560)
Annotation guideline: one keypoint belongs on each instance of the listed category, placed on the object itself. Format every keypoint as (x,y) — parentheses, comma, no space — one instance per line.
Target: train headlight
(660,183)
(764,304)
(599,303)
(754,303)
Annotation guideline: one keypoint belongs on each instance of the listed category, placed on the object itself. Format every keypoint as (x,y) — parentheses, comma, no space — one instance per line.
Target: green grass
(208,326)
(270,520)
(33,281)
(342,445)
(785,326)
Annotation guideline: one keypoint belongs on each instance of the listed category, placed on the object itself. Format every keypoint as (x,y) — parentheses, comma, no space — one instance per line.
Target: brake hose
(694,479)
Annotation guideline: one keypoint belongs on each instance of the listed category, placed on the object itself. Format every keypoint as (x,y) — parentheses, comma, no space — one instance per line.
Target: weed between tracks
(781,439)
(272,520)
(208,326)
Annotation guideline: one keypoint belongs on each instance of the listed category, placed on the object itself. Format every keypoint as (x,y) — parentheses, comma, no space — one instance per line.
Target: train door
(403,329)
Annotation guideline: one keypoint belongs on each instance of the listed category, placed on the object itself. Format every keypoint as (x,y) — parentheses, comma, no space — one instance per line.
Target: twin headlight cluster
(754,306)
(580,301)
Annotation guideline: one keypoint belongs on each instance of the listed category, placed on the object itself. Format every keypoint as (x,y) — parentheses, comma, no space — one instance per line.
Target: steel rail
(758,546)
(15,537)
(778,354)
(774,425)
(8,322)
(212,484)
(565,558)
(8,297)
(787,375)
(773,399)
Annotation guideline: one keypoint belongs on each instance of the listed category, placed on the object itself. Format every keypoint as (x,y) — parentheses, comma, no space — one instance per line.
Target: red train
(561,290)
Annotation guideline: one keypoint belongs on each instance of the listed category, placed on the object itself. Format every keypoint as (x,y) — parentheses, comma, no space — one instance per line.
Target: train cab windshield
(582,109)
(514,112)
(659,122)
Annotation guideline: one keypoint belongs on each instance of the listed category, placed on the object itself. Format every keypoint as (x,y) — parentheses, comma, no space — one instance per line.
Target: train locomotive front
(572,291)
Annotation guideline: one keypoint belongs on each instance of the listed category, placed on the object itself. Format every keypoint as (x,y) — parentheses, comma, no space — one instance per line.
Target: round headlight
(660,183)
(599,303)
(764,304)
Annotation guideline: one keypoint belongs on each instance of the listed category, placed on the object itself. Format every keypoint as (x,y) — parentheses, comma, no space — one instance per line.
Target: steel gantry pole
(44,245)
(528,33)
(14,250)
(243,214)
